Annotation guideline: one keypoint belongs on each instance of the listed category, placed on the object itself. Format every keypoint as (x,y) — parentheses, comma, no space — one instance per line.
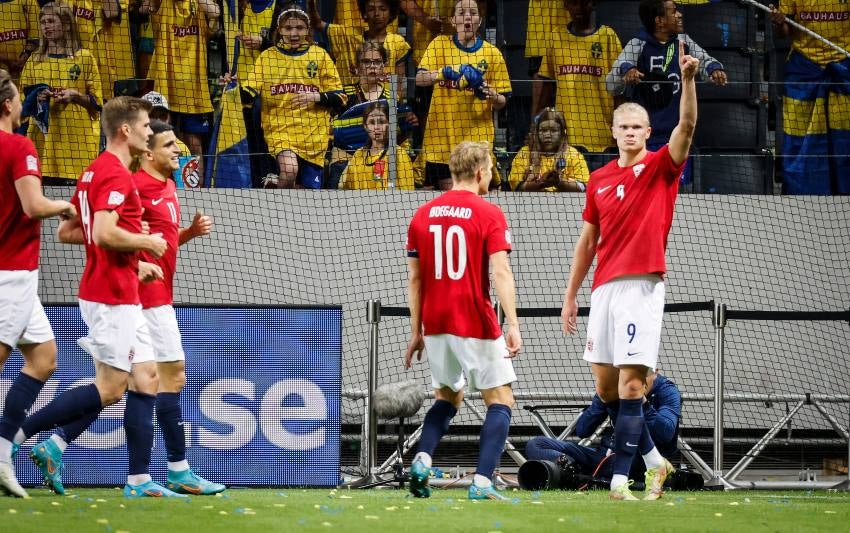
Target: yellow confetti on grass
(222,512)
(102,521)
(670,504)
(734,503)
(561,520)
(371,517)
(829,512)
(537,503)
(280,505)
(360,507)
(56,504)
(93,506)
(718,514)
(327,524)
(122,531)
(101,500)
(121,505)
(209,507)
(13,511)
(344,497)
(393,508)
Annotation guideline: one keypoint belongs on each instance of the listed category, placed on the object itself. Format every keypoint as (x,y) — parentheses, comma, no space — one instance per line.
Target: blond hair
(7,87)
(631,107)
(70,34)
(121,110)
(467,157)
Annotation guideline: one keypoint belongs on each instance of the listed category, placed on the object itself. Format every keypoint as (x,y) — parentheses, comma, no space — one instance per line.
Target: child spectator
(62,87)
(549,163)
(577,58)
(344,41)
(299,85)
(369,168)
(471,81)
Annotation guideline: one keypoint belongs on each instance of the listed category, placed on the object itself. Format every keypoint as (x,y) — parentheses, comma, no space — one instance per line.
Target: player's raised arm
(683,134)
(414,303)
(503,281)
(583,255)
(107,234)
(201,225)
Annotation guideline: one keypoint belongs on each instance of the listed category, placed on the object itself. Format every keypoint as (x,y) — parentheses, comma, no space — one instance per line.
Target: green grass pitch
(374,511)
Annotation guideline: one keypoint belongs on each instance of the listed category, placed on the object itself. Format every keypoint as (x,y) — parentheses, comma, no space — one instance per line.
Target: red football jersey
(110,277)
(20,235)
(162,213)
(633,208)
(454,236)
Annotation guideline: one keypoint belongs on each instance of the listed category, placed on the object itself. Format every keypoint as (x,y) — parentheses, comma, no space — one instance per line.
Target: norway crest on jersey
(638,169)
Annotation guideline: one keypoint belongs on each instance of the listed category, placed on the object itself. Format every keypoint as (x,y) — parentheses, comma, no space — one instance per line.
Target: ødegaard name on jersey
(450,211)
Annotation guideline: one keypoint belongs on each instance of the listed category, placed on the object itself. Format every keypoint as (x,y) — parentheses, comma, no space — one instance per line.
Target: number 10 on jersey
(451,252)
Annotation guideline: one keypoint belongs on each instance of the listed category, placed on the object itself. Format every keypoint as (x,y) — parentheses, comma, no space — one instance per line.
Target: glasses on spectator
(371,62)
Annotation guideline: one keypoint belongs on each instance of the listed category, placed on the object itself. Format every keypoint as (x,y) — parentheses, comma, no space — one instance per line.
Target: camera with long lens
(563,474)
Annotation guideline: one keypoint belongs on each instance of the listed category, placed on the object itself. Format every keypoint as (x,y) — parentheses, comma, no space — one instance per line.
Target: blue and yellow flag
(231,163)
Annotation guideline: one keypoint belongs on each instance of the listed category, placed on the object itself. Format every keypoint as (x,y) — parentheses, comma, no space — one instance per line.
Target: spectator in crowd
(255,24)
(299,86)
(576,60)
(349,134)
(62,87)
(179,64)
(816,103)
(662,410)
(542,16)
(114,50)
(369,168)
(549,163)
(470,82)
(18,34)
(345,41)
(647,71)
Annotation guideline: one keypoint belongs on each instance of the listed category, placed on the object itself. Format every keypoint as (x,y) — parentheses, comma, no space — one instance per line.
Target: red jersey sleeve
(590,213)
(25,160)
(111,194)
(666,167)
(499,236)
(411,246)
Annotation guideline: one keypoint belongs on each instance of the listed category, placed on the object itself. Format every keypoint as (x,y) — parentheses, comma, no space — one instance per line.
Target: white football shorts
(624,327)
(483,362)
(117,335)
(22,318)
(163,334)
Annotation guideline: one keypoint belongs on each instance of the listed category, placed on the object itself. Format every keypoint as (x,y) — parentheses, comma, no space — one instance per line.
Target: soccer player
(627,217)
(471,80)
(451,242)
(22,319)
(299,85)
(110,226)
(577,58)
(162,213)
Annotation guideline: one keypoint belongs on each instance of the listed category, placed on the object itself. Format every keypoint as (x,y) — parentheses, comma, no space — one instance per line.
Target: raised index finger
(681,48)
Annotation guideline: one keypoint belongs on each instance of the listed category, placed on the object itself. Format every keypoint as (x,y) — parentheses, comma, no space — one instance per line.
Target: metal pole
(719,344)
(373,317)
(392,138)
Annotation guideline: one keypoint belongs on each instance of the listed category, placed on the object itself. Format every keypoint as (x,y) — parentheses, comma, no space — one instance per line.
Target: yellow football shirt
(422,37)
(179,63)
(73,137)
(257,25)
(575,167)
(15,30)
(114,50)
(279,75)
(361,171)
(829,18)
(579,65)
(344,42)
(348,14)
(544,16)
(456,115)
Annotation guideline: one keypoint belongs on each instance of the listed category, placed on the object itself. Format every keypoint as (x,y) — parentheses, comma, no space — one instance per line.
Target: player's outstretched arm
(36,205)
(683,134)
(503,281)
(106,234)
(583,255)
(201,225)
(414,303)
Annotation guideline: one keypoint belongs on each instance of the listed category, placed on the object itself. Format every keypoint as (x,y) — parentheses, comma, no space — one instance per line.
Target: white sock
(59,441)
(618,480)
(5,451)
(19,437)
(179,466)
(480,481)
(424,457)
(653,459)
(138,479)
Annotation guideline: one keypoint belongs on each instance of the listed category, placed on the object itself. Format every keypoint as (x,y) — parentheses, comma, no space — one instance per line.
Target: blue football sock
(170,418)
(19,399)
(645,445)
(138,425)
(436,424)
(627,435)
(67,407)
(70,431)
(494,432)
